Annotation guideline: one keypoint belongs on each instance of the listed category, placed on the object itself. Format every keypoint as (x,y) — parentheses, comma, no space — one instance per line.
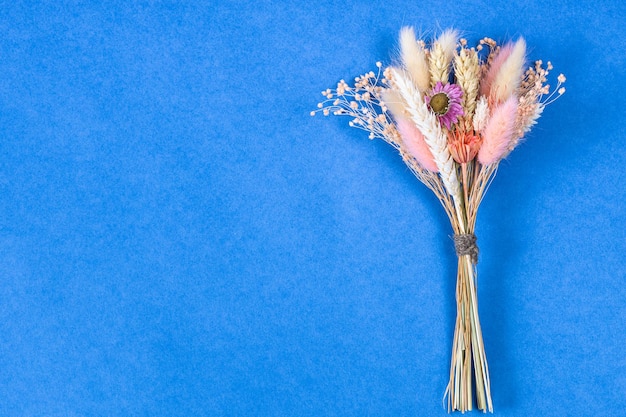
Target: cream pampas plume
(441,55)
(494,68)
(510,74)
(394,103)
(429,126)
(414,59)
(498,132)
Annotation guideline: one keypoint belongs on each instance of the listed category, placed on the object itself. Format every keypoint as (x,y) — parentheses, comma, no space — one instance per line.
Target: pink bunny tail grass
(415,144)
(494,68)
(498,132)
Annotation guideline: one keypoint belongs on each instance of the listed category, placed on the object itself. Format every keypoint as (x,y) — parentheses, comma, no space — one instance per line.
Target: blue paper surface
(179,237)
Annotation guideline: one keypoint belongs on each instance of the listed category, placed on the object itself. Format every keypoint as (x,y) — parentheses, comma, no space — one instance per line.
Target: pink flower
(414,142)
(445,102)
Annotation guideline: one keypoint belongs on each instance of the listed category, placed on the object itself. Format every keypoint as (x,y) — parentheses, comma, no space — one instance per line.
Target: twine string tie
(465,244)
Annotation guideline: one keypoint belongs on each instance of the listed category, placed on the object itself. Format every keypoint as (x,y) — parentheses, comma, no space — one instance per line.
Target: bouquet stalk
(453,113)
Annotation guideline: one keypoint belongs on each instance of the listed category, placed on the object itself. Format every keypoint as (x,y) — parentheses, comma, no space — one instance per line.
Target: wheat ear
(434,136)
(441,55)
(467,72)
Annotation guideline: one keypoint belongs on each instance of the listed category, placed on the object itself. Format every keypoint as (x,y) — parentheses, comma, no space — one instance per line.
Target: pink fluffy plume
(498,132)
(494,68)
(415,144)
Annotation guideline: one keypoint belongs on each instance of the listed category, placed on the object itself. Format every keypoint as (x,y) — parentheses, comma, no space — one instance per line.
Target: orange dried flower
(464,145)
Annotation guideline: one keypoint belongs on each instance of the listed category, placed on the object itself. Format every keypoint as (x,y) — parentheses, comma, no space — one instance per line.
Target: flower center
(439,103)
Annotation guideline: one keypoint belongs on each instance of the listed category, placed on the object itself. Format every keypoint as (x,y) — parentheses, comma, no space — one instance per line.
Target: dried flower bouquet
(453,113)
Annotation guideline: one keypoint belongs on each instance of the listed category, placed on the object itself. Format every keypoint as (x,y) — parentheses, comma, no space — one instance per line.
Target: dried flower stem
(469,372)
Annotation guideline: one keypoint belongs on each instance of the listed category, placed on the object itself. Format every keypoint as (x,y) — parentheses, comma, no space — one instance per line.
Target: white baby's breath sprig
(363,103)
(535,95)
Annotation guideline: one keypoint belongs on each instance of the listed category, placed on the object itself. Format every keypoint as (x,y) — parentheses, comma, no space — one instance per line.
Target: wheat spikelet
(414,59)
(481,114)
(441,56)
(467,72)
(434,136)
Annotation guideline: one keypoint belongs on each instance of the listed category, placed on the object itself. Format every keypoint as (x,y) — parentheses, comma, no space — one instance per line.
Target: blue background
(179,237)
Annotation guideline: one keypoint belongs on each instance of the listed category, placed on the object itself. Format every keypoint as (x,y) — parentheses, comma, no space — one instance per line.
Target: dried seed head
(439,103)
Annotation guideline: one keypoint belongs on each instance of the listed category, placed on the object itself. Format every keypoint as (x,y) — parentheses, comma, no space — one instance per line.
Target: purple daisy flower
(445,102)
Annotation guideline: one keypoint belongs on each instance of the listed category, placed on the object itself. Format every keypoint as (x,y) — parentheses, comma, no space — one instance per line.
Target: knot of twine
(465,244)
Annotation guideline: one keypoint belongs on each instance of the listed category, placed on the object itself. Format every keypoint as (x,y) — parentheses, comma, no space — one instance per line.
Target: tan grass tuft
(509,77)
(414,59)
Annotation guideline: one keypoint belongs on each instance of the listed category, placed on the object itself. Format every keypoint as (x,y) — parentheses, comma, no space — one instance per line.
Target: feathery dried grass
(481,114)
(493,65)
(509,76)
(394,103)
(498,132)
(414,142)
(414,59)
(412,139)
